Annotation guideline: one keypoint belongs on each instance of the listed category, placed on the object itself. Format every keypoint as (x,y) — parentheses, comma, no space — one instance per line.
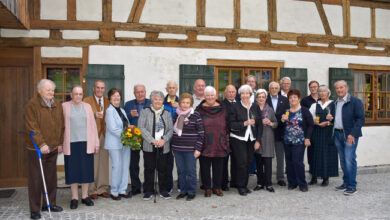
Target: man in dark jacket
(349,119)
(280,104)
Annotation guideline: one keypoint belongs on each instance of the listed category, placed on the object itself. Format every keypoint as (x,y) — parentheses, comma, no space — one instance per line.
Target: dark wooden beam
(373,23)
(272,15)
(71,10)
(107,34)
(35,6)
(136,11)
(201,13)
(237,14)
(61,60)
(37,67)
(324,19)
(346,17)
(192,35)
(107,10)
(55,34)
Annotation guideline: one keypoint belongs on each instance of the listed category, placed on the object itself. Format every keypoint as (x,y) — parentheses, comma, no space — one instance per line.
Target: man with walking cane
(45,119)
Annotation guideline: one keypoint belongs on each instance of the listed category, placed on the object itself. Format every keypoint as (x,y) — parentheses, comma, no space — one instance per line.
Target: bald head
(199,87)
(230,92)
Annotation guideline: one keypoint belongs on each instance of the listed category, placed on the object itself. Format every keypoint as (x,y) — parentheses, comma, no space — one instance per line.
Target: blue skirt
(79,164)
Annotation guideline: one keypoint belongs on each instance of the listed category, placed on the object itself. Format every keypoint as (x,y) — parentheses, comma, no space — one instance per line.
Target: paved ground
(371,202)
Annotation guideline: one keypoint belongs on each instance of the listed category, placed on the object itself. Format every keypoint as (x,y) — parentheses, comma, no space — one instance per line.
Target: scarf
(181,119)
(266,110)
(157,113)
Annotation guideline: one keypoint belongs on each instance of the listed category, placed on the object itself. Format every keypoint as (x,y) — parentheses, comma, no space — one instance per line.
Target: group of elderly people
(247,126)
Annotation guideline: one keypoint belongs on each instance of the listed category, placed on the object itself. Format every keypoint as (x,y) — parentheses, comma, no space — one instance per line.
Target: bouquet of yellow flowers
(131,137)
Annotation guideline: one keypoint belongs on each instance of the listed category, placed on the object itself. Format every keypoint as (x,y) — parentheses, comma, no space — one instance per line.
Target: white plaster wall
(298,17)
(71,52)
(173,12)
(84,34)
(360,22)
(24,33)
(89,10)
(154,66)
(53,9)
(254,15)
(121,10)
(382,18)
(334,14)
(220,13)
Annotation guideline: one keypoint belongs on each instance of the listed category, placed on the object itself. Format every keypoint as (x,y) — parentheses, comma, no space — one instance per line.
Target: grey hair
(155,93)
(249,76)
(286,77)
(345,83)
(171,81)
(259,91)
(326,88)
(77,86)
(137,85)
(273,82)
(245,87)
(210,89)
(43,82)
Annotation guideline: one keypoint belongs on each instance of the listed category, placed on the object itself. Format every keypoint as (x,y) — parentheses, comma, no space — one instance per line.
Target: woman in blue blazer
(116,120)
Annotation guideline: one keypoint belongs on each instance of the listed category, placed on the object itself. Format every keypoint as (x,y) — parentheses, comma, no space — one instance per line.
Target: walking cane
(155,175)
(43,176)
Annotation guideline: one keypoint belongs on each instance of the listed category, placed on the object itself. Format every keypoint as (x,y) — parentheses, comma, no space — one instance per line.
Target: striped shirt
(192,136)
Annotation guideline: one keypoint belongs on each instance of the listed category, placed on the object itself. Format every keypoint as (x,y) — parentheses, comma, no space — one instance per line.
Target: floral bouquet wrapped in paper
(131,137)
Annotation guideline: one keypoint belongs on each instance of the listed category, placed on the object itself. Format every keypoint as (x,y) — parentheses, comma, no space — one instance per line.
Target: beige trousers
(101,171)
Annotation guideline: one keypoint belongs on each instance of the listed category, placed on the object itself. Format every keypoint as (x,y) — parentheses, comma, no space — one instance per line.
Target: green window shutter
(336,74)
(111,75)
(298,78)
(190,73)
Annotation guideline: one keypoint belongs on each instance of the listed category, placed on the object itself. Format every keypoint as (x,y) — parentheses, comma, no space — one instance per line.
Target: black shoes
(53,208)
(126,196)
(180,196)
(190,197)
(135,192)
(313,181)
(87,201)
(117,198)
(248,190)
(258,187)
(242,191)
(281,183)
(304,189)
(291,187)
(270,189)
(325,182)
(35,215)
(225,188)
(74,203)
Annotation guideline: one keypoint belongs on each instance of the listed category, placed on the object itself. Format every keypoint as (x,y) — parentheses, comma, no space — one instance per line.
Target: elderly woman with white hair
(266,151)
(325,159)
(245,136)
(156,127)
(215,144)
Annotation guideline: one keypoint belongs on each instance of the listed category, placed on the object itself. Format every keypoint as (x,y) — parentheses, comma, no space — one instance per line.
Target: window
(236,76)
(373,88)
(65,77)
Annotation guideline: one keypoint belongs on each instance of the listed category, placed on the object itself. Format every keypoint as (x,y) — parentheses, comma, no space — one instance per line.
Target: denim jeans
(120,161)
(186,168)
(347,154)
(294,165)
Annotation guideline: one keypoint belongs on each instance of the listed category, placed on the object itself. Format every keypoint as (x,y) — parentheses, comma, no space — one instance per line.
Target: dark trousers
(310,155)
(225,173)
(264,170)
(134,170)
(242,152)
(36,192)
(294,165)
(153,160)
(216,163)
(170,160)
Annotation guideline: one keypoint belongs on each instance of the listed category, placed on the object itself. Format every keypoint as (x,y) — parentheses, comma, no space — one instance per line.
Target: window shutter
(111,75)
(298,78)
(336,74)
(190,73)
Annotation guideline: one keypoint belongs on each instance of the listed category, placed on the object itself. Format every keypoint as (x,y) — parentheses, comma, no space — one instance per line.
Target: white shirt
(248,131)
(197,101)
(283,93)
(313,107)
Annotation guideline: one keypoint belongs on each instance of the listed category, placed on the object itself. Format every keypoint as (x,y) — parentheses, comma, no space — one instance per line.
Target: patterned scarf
(157,113)
(181,119)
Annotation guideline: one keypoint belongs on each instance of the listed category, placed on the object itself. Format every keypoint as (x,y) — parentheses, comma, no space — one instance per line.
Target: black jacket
(238,115)
(282,106)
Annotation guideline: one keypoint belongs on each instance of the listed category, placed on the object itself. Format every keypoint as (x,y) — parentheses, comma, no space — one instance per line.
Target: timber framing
(237,14)
(136,11)
(200,13)
(272,16)
(324,19)
(358,3)
(346,17)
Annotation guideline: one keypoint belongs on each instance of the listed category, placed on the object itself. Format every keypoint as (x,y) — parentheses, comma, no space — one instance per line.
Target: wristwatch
(328,123)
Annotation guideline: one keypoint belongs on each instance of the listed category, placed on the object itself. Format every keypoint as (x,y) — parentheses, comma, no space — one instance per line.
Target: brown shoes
(105,195)
(217,192)
(94,196)
(207,193)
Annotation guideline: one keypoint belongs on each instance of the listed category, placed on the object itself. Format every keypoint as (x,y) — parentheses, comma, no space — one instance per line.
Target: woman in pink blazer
(81,141)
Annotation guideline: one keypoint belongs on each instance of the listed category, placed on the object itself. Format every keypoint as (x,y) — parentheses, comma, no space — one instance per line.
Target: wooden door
(190,73)
(15,91)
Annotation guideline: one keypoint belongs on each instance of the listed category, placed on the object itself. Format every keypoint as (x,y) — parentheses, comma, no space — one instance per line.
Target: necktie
(100,102)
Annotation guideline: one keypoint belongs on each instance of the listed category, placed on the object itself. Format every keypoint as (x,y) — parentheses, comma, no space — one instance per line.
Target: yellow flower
(130,135)
(137,131)
(129,130)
